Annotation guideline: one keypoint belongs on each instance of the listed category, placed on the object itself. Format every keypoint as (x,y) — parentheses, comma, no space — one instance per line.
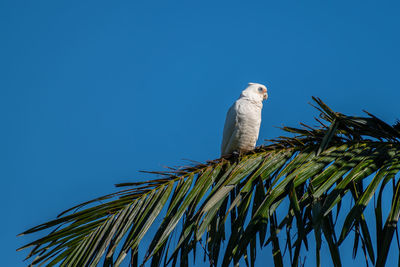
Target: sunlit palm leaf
(224,204)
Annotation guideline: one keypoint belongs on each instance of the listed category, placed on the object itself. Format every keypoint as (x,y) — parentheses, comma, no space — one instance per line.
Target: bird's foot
(235,155)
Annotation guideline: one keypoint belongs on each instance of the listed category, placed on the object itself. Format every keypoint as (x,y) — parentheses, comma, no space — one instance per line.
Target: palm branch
(230,206)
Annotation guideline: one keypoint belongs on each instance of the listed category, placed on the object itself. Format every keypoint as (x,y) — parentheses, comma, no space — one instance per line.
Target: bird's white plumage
(242,124)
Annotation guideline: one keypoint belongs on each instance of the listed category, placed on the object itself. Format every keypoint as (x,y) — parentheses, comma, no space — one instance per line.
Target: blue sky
(93,91)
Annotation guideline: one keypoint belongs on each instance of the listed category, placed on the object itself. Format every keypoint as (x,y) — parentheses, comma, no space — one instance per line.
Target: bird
(243,120)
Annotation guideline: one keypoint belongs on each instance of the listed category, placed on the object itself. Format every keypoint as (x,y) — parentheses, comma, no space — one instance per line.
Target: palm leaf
(312,171)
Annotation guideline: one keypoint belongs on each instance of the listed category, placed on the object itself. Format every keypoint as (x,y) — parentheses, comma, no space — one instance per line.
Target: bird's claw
(235,155)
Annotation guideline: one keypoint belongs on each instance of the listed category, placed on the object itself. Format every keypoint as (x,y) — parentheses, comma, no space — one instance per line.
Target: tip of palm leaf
(23,247)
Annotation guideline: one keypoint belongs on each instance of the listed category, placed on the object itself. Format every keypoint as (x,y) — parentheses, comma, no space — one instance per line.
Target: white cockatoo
(242,123)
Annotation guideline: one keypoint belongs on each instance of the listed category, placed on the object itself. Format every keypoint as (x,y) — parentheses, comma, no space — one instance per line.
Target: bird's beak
(265,97)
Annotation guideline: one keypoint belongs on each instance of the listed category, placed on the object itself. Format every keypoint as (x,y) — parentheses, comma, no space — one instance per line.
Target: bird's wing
(229,128)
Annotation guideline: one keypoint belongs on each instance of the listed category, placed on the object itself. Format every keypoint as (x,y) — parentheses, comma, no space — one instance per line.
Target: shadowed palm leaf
(228,206)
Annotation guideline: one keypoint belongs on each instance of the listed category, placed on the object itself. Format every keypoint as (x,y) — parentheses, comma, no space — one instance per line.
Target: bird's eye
(260,89)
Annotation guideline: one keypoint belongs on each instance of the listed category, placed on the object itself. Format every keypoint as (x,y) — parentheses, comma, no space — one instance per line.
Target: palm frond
(224,204)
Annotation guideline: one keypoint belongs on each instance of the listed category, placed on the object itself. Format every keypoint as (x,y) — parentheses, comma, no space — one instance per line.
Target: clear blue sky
(93,91)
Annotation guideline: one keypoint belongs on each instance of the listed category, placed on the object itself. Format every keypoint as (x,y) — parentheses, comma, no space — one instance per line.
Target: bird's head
(256,92)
